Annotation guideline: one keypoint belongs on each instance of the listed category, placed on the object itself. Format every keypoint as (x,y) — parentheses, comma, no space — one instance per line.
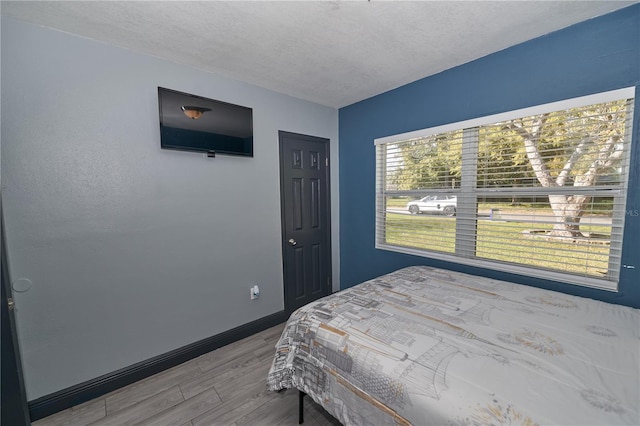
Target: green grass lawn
(502,241)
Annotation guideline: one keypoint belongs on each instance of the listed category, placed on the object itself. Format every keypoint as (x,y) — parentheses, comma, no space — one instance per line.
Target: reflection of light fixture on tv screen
(194,112)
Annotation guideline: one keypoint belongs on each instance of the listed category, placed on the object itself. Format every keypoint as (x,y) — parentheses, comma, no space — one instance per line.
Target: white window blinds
(540,191)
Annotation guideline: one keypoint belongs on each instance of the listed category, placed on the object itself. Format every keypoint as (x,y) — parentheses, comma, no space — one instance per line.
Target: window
(538,192)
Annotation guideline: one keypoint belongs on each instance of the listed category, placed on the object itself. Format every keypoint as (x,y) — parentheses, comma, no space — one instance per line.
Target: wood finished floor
(223,387)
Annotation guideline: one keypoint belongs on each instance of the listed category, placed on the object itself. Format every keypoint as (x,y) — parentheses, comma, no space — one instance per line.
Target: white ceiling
(331,52)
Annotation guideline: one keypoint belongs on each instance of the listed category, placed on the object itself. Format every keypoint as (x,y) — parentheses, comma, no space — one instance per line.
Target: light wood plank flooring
(223,387)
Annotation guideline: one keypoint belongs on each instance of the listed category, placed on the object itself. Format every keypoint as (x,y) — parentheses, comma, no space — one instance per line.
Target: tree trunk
(568,210)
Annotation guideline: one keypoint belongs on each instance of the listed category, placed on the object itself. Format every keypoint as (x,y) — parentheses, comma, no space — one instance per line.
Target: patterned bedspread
(428,346)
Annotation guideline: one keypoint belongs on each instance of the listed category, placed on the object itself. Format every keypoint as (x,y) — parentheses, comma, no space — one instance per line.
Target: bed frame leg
(301,407)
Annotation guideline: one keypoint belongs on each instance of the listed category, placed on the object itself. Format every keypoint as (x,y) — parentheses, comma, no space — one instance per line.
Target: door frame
(327,170)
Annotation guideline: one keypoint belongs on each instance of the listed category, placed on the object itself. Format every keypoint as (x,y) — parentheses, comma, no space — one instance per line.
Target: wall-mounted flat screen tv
(193,123)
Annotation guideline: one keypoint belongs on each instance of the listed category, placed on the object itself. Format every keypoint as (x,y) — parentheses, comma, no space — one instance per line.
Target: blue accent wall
(597,55)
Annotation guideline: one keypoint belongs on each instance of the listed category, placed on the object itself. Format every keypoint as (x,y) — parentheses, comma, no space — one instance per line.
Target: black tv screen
(193,123)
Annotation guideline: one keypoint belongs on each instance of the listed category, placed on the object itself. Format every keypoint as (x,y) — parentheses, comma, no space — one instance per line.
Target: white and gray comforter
(425,346)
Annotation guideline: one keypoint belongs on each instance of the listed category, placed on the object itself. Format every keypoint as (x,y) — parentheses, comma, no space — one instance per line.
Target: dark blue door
(304,181)
(14,410)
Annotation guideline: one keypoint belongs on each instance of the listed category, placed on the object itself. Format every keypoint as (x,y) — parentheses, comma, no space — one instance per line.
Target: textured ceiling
(331,52)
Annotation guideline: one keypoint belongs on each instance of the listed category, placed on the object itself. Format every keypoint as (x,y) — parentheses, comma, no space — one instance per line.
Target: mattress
(428,346)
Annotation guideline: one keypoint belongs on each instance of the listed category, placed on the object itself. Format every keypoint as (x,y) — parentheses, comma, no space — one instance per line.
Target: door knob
(292,242)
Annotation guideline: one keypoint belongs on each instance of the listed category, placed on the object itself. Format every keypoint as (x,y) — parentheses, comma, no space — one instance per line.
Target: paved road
(542,218)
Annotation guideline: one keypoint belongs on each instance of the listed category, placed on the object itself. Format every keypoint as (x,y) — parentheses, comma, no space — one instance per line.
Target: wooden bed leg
(301,407)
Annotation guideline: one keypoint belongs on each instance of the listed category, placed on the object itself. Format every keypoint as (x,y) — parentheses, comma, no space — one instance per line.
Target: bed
(429,346)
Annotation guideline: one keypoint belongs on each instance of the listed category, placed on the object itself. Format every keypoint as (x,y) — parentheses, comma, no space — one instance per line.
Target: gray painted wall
(0,146)
(132,251)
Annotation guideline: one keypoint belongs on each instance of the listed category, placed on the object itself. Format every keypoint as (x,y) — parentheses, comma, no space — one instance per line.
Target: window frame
(469,190)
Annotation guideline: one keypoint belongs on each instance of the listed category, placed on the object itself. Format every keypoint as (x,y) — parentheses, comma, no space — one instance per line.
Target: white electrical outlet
(255,292)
